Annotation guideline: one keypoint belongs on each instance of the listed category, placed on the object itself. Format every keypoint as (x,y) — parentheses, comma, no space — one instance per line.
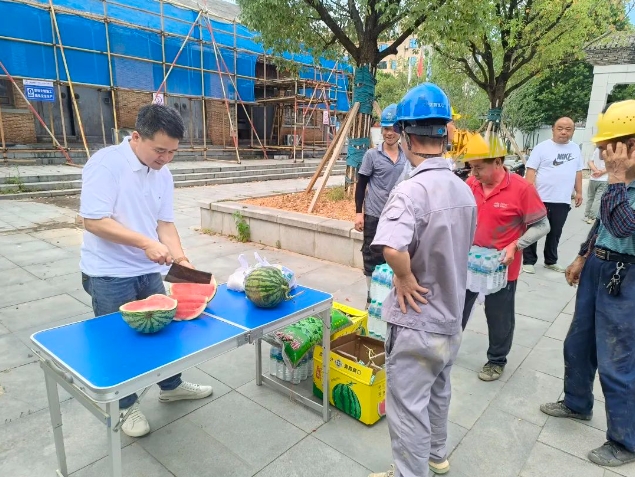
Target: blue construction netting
(137,52)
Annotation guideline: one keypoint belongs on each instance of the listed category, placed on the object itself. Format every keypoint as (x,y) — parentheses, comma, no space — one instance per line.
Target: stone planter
(328,239)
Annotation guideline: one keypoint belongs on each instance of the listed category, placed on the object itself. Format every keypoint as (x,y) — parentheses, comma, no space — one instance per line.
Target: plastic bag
(236,280)
(297,339)
(286,272)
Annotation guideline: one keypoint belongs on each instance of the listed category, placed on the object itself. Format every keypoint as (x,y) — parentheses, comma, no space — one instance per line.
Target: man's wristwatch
(180,259)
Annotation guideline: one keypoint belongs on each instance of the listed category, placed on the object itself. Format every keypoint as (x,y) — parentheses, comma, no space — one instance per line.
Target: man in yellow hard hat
(510,217)
(602,334)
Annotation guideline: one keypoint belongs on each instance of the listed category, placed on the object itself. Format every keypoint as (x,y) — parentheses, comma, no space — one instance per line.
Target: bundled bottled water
(381,284)
(486,274)
(279,369)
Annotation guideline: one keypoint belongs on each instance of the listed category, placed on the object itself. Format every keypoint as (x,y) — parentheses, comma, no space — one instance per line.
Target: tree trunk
(359,137)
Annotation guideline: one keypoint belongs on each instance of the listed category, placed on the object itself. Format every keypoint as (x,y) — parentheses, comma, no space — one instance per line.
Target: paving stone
(42,256)
(542,299)
(14,353)
(547,357)
(41,312)
(55,269)
(235,367)
(285,407)
(571,436)
(470,396)
(527,331)
(473,354)
(312,458)
(15,276)
(545,461)
(497,446)
(559,329)
(135,462)
(24,392)
(330,277)
(525,392)
(6,264)
(27,291)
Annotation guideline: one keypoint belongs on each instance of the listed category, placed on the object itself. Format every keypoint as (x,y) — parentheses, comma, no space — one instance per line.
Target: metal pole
(101,116)
(68,77)
(113,93)
(264,96)
(4,145)
(162,33)
(203,108)
(59,86)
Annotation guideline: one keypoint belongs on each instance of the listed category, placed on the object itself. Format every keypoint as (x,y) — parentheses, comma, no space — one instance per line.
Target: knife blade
(180,274)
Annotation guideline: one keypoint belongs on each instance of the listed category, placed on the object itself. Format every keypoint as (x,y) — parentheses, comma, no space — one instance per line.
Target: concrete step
(72,187)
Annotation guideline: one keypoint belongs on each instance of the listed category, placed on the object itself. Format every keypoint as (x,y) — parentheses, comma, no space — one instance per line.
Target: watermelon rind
(266,287)
(154,318)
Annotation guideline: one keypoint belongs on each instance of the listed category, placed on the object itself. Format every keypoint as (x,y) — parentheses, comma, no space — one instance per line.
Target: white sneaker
(529,269)
(390,473)
(186,391)
(556,268)
(136,425)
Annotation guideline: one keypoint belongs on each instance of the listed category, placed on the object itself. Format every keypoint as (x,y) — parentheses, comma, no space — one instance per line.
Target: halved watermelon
(149,315)
(207,290)
(189,307)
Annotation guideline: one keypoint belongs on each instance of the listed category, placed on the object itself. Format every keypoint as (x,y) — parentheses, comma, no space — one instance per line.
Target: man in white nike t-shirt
(555,168)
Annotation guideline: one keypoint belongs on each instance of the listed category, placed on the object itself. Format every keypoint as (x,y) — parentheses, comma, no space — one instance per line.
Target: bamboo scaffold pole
(110,73)
(68,77)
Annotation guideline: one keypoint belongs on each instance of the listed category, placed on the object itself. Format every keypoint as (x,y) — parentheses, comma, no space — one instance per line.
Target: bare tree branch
(357,19)
(326,17)
(465,67)
(392,49)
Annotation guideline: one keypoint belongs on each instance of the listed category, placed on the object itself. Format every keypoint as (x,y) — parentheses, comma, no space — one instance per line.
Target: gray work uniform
(432,216)
(383,175)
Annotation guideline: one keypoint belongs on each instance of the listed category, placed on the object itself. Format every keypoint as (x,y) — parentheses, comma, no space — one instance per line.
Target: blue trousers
(109,293)
(602,338)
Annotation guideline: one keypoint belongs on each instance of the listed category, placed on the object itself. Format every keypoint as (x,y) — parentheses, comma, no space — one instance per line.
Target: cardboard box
(355,389)
(358,317)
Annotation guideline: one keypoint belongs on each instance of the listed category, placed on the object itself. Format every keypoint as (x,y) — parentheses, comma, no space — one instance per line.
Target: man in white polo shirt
(555,168)
(127,206)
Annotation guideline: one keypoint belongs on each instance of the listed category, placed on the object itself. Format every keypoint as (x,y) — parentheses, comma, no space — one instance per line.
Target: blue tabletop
(106,352)
(236,307)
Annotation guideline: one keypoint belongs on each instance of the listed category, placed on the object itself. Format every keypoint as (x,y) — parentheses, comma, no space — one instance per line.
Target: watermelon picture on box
(149,315)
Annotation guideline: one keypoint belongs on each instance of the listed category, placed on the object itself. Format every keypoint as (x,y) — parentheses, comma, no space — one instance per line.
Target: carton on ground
(358,390)
(358,317)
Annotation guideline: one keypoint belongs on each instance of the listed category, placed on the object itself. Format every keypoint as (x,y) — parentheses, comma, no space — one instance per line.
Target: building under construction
(73,74)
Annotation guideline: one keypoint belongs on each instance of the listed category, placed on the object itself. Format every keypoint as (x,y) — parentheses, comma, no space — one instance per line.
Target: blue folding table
(102,360)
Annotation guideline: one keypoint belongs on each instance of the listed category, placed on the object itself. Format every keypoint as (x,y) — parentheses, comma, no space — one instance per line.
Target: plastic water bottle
(274,353)
(288,373)
(280,366)
(296,375)
(382,327)
(372,318)
(478,269)
(304,368)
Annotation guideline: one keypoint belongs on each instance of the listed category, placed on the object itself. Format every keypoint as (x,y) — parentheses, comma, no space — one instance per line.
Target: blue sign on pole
(39,90)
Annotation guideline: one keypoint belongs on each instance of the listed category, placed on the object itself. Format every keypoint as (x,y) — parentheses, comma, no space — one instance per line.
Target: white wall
(544,133)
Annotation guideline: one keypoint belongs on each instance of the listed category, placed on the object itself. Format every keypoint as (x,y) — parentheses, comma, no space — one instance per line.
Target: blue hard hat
(424,102)
(388,116)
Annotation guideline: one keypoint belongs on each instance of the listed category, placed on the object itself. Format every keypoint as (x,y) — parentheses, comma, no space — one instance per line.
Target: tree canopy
(512,41)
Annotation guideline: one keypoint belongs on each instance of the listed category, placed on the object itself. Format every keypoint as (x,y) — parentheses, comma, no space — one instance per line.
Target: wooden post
(511,138)
(334,155)
(113,99)
(68,77)
(327,154)
(203,109)
(4,145)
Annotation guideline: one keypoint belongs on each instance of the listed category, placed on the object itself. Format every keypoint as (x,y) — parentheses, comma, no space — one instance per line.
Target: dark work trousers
(602,337)
(500,311)
(557,215)
(371,258)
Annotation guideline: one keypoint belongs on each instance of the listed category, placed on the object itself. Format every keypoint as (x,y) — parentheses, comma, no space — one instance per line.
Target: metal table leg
(114,438)
(56,421)
(326,362)
(259,362)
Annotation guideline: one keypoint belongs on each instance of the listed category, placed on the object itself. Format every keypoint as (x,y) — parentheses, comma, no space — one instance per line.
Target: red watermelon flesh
(189,307)
(207,290)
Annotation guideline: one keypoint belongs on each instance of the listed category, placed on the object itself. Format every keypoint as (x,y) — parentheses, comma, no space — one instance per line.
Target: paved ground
(496,429)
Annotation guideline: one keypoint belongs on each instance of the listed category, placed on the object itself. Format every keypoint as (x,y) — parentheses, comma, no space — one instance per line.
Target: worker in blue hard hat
(381,168)
(425,233)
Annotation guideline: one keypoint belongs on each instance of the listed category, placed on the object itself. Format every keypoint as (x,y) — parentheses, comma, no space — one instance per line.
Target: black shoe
(611,454)
(558,409)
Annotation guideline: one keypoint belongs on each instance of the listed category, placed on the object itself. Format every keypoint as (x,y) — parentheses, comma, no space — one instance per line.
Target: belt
(610,256)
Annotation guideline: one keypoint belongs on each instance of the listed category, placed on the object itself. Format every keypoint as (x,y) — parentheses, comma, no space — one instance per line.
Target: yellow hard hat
(477,148)
(617,121)
(454,115)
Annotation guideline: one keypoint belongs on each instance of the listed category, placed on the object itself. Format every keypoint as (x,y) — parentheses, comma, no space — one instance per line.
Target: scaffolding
(191,58)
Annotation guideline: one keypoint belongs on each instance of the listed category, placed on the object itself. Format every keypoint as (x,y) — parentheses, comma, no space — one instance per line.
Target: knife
(180,274)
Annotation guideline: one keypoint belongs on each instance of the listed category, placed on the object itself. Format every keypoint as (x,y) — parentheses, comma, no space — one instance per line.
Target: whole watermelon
(266,287)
